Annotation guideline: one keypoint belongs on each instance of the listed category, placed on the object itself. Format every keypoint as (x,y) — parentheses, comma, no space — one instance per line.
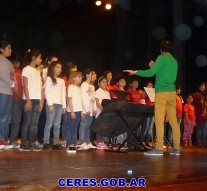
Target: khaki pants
(165,103)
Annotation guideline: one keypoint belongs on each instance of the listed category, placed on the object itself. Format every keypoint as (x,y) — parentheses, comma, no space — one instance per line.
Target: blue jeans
(53,119)
(72,128)
(170,137)
(13,120)
(5,104)
(84,131)
(41,124)
(30,122)
(64,125)
(146,132)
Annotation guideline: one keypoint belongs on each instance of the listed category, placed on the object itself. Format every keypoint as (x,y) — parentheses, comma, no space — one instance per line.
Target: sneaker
(68,150)
(83,147)
(91,146)
(72,147)
(174,152)
(154,151)
(39,144)
(5,145)
(102,146)
(47,146)
(15,145)
(57,147)
(26,147)
(35,147)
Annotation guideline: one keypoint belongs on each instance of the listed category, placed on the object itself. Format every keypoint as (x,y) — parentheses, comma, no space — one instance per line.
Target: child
(42,115)
(101,94)
(15,113)
(137,95)
(7,82)
(56,104)
(146,132)
(179,110)
(74,109)
(32,99)
(71,67)
(89,110)
(189,121)
(108,75)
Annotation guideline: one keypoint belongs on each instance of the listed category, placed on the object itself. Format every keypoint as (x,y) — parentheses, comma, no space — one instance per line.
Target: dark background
(126,37)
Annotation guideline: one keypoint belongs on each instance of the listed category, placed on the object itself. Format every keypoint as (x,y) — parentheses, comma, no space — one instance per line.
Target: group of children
(75,100)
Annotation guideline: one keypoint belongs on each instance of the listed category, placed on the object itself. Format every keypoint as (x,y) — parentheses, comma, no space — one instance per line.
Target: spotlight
(108,6)
(98,3)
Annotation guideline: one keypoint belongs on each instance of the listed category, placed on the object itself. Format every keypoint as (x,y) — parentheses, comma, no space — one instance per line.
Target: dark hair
(188,95)
(3,44)
(166,46)
(87,71)
(101,79)
(132,79)
(49,59)
(29,54)
(50,72)
(119,77)
(150,82)
(106,72)
(177,87)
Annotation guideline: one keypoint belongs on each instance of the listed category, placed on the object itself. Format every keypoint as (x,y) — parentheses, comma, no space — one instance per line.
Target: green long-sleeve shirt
(165,69)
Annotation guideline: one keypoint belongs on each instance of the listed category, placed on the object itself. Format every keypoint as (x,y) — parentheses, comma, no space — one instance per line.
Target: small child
(101,94)
(56,104)
(74,109)
(89,110)
(136,94)
(108,75)
(70,67)
(189,121)
(15,113)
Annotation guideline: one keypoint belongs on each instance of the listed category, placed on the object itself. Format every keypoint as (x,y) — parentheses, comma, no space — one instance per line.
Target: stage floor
(41,170)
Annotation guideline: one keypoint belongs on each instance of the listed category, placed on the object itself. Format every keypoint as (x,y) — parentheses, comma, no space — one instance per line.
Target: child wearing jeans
(101,94)
(56,104)
(189,121)
(89,110)
(32,100)
(15,112)
(74,109)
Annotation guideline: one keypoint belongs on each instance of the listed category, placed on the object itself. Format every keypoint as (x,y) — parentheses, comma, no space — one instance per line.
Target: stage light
(98,3)
(108,6)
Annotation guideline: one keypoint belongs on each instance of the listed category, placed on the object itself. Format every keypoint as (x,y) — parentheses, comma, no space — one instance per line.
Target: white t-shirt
(88,96)
(74,92)
(34,82)
(100,95)
(55,93)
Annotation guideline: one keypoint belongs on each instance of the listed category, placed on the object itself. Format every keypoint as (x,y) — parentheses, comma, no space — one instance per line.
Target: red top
(113,95)
(18,75)
(109,87)
(137,95)
(179,106)
(189,109)
(65,78)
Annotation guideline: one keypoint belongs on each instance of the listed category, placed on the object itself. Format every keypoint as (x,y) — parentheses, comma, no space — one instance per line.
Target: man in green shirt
(165,68)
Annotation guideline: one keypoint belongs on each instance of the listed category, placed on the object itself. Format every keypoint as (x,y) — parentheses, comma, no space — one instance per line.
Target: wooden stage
(41,170)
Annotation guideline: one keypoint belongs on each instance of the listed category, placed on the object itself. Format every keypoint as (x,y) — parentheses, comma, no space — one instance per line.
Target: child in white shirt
(101,94)
(89,110)
(74,109)
(56,104)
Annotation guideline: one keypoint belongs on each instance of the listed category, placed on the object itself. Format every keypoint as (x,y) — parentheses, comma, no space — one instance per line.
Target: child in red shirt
(108,75)
(136,95)
(189,121)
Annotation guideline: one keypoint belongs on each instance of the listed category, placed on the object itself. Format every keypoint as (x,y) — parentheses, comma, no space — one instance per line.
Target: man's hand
(131,72)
